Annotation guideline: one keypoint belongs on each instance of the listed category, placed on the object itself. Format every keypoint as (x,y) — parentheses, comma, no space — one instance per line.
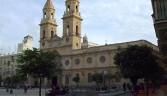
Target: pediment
(56,38)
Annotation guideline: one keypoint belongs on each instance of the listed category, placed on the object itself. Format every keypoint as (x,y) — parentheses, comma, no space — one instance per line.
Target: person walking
(124,86)
(25,89)
(53,91)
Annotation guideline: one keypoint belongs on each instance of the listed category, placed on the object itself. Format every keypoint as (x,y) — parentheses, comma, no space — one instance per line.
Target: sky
(115,21)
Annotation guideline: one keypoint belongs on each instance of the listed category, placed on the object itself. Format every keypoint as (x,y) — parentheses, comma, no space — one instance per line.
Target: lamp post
(12,63)
(7,89)
(8,63)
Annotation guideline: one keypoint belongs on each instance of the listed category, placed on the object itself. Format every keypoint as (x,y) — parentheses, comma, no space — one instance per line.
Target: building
(78,58)
(6,67)
(160,25)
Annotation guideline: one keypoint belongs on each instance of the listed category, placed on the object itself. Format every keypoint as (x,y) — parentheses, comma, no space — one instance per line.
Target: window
(89,78)
(67,62)
(77,44)
(77,75)
(52,15)
(51,33)
(67,29)
(8,63)
(76,8)
(89,60)
(77,61)
(67,79)
(43,33)
(102,59)
(77,30)
(68,9)
(4,62)
(45,15)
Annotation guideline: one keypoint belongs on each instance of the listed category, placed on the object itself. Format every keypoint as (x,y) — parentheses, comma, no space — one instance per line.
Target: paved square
(20,92)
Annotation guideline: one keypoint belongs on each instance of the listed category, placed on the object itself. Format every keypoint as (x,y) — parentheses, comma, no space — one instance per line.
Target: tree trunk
(112,83)
(146,87)
(39,86)
(109,85)
(134,82)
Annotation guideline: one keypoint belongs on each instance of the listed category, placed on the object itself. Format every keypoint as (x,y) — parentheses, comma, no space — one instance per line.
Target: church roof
(85,37)
(49,4)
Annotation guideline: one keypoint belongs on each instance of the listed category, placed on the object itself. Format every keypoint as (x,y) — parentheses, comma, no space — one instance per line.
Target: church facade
(79,57)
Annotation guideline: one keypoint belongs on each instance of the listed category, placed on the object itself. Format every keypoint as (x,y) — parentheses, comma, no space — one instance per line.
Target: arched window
(67,30)
(67,79)
(51,33)
(77,30)
(118,77)
(52,15)
(43,33)
(89,78)
(68,8)
(77,75)
(45,15)
(76,8)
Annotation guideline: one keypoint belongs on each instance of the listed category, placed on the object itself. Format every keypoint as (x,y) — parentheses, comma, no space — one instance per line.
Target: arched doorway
(54,80)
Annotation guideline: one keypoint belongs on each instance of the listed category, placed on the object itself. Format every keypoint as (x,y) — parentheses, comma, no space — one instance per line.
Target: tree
(136,62)
(97,77)
(16,79)
(38,64)
(7,80)
(76,79)
(110,77)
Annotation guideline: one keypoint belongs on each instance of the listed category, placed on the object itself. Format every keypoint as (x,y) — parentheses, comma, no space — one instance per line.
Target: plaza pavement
(35,92)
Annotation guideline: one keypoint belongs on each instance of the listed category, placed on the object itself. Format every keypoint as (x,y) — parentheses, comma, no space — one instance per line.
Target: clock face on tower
(43,43)
(67,39)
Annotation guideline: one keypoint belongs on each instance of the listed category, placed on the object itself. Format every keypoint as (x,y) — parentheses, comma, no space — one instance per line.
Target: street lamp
(12,63)
(8,63)
(7,89)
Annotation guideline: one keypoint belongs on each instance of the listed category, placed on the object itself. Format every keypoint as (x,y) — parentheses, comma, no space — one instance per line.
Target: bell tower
(72,24)
(160,25)
(48,24)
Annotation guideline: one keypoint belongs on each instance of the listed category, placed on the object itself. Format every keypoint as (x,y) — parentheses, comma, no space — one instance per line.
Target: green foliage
(109,76)
(7,80)
(97,77)
(137,62)
(157,75)
(38,64)
(19,78)
(76,79)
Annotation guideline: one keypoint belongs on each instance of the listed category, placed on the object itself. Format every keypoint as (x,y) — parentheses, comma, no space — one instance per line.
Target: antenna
(9,49)
(1,49)
(106,42)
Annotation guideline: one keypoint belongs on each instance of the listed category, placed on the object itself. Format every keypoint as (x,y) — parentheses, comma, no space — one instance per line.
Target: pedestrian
(53,91)
(25,89)
(124,86)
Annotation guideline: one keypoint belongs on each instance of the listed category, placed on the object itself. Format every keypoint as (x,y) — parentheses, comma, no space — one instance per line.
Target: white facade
(27,43)
(6,68)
